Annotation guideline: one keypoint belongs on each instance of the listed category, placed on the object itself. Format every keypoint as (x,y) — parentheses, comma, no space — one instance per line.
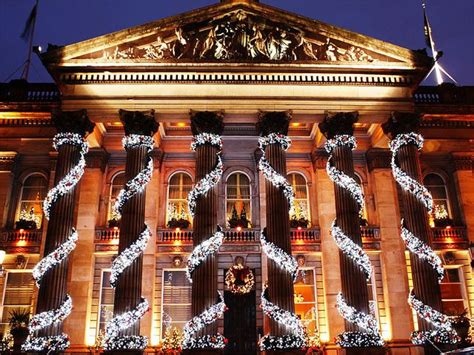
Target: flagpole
(439,77)
(26,68)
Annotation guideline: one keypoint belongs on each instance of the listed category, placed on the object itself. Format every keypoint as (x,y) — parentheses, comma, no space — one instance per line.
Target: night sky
(399,22)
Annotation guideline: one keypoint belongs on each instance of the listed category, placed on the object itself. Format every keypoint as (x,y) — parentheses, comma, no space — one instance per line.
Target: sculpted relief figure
(209,42)
(257,44)
(306,46)
(157,51)
(330,50)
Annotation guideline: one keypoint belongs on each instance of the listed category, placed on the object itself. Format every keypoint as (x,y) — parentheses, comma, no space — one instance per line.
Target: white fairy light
(423,251)
(55,257)
(203,250)
(271,174)
(297,340)
(113,341)
(194,325)
(45,319)
(70,180)
(353,251)
(444,332)
(368,322)
(212,178)
(281,258)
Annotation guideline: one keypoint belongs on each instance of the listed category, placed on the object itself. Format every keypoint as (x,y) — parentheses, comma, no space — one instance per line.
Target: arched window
(30,211)
(436,186)
(363,217)
(301,216)
(177,210)
(117,184)
(238,201)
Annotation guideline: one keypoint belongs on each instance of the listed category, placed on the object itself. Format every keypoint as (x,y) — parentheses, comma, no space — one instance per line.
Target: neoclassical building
(238,79)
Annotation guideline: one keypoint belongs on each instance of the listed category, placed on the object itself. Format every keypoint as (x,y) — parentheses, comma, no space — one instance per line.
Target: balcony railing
(450,237)
(107,235)
(309,235)
(370,237)
(32,236)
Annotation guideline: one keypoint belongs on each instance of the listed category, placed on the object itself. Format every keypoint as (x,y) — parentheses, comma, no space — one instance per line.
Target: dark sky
(396,21)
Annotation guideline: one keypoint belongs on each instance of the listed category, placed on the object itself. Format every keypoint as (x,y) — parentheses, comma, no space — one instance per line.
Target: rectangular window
(305,299)
(106,305)
(176,301)
(18,294)
(452,292)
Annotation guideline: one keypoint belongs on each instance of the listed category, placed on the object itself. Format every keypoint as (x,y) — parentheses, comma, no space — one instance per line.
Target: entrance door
(240,323)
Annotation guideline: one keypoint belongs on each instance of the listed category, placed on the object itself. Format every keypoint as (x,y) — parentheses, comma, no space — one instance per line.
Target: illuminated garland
(368,322)
(112,339)
(271,174)
(242,274)
(71,179)
(353,251)
(297,340)
(198,322)
(279,256)
(204,250)
(212,178)
(443,332)
(45,319)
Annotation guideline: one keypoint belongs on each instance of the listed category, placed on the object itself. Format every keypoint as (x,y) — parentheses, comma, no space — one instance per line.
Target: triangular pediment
(237,32)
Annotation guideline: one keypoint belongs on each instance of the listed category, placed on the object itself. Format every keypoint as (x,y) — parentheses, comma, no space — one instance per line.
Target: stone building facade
(240,61)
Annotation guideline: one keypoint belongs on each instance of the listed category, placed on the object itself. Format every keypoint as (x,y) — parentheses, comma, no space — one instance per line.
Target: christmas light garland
(367,322)
(444,333)
(271,174)
(43,320)
(212,178)
(239,279)
(112,339)
(279,256)
(193,326)
(371,336)
(297,340)
(203,251)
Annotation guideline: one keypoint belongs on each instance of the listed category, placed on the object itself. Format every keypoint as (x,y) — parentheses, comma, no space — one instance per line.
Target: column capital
(400,123)
(207,122)
(338,123)
(273,122)
(7,161)
(378,158)
(139,122)
(72,121)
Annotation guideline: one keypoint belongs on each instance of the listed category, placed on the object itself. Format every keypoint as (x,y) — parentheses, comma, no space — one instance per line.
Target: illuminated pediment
(248,33)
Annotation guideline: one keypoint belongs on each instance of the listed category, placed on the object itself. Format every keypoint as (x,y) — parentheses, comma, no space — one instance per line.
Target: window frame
(315,293)
(446,190)
(99,310)
(462,282)
(226,199)
(168,194)
(20,196)
(308,201)
(110,204)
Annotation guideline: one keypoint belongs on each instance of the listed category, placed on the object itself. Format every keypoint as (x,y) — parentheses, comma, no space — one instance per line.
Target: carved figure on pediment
(181,43)
(330,50)
(209,42)
(257,43)
(157,51)
(350,55)
(284,43)
(362,56)
(272,47)
(128,53)
(306,46)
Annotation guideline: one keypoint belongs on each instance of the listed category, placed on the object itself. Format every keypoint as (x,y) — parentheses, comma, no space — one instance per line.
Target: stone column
(280,282)
(204,286)
(54,283)
(353,280)
(394,268)
(81,278)
(425,280)
(128,292)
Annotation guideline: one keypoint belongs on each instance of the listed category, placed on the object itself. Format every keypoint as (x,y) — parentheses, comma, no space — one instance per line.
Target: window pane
(176,300)
(238,199)
(305,299)
(433,179)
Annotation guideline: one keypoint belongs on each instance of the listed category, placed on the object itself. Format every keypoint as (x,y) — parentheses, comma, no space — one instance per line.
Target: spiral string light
(113,341)
(193,326)
(43,320)
(212,178)
(279,256)
(271,174)
(444,333)
(202,251)
(371,336)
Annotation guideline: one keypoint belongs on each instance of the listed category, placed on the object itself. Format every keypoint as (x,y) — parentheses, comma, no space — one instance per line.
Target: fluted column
(128,290)
(204,286)
(280,282)
(353,279)
(425,279)
(53,290)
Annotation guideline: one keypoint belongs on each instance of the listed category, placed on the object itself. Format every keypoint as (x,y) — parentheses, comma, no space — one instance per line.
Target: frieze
(175,249)
(238,35)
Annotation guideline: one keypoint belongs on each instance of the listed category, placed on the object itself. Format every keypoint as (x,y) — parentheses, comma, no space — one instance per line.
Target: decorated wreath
(239,279)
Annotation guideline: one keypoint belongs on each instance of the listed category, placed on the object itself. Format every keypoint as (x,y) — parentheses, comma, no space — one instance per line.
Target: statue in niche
(257,43)
(306,46)
(330,50)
